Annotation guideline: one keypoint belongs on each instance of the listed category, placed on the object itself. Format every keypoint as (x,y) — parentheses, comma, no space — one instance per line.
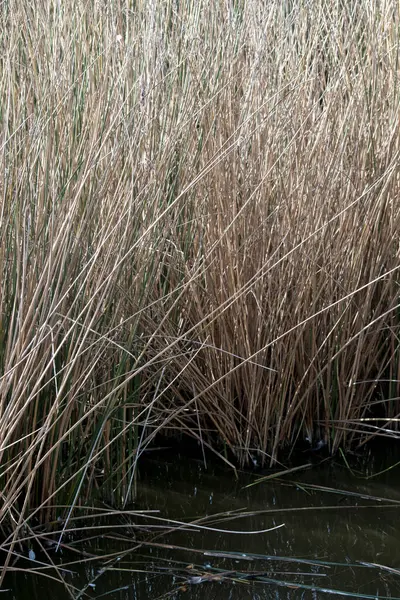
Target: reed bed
(199,233)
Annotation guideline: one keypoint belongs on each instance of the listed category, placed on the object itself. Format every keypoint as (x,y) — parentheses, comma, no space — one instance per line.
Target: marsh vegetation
(200,232)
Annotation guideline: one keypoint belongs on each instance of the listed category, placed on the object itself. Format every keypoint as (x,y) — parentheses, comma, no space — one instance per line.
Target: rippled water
(340,540)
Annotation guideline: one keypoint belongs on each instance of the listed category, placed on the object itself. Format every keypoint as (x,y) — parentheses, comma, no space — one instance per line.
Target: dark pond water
(342,541)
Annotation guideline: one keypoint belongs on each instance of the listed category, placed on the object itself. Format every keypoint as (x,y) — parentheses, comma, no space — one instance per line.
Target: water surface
(338,535)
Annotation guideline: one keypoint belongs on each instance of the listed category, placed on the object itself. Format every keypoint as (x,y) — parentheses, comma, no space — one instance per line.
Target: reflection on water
(330,541)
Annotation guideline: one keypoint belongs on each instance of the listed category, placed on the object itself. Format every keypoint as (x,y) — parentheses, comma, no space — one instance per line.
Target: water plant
(199,234)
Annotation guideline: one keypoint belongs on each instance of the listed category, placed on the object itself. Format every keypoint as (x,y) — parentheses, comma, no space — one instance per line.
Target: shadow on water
(339,536)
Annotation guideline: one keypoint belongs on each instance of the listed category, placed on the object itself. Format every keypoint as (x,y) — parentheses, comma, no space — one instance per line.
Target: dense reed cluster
(200,228)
